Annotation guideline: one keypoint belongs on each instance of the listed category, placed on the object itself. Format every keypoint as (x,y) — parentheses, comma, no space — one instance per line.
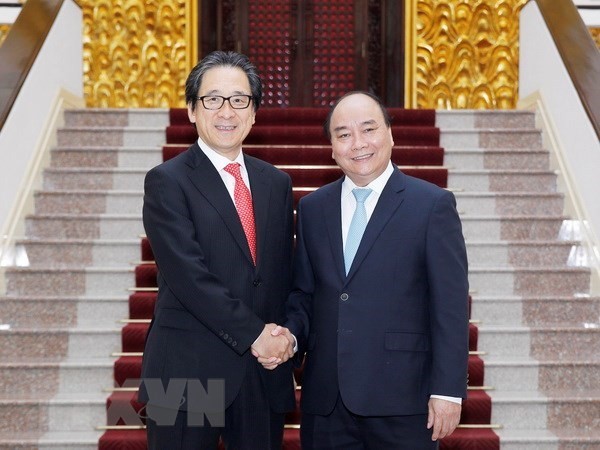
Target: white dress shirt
(220,161)
(349,201)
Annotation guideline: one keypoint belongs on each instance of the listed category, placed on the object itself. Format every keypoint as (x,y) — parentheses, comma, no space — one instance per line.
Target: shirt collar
(376,185)
(218,160)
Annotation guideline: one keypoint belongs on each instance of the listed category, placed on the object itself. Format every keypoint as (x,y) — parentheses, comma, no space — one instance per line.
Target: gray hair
(220,58)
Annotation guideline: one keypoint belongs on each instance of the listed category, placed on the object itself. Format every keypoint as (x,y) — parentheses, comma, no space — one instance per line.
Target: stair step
(510,203)
(136,439)
(539,411)
(475,402)
(316,116)
(88,202)
(130,202)
(503,180)
(118,226)
(62,311)
(511,227)
(529,280)
(449,119)
(93,281)
(59,343)
(573,342)
(509,373)
(64,413)
(46,378)
(535,311)
(110,136)
(117,117)
(553,439)
(311,135)
(497,158)
(133,178)
(568,342)
(99,157)
(577,438)
(94,179)
(321,154)
(84,226)
(523,253)
(78,253)
(490,138)
(53,440)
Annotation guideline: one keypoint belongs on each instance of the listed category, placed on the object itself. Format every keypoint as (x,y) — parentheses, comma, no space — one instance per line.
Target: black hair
(220,58)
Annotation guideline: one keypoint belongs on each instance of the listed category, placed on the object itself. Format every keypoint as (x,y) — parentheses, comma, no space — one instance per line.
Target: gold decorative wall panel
(595,32)
(466,53)
(463,53)
(136,53)
(4,29)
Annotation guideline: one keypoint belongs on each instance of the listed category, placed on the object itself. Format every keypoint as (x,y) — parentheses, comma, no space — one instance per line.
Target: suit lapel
(210,184)
(389,201)
(260,186)
(333,218)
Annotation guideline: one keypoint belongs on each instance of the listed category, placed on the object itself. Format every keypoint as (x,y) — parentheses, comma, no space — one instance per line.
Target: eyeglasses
(217,101)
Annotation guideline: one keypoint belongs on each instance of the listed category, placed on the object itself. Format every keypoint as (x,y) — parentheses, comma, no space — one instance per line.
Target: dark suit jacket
(395,330)
(212,302)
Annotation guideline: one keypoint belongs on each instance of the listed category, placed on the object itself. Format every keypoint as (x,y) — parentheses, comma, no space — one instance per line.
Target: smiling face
(223,129)
(360,139)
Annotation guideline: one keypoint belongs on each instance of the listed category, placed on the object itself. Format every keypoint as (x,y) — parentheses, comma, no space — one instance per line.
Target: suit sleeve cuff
(449,399)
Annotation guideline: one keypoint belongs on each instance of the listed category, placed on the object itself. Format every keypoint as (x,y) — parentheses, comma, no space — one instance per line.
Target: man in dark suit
(220,224)
(385,330)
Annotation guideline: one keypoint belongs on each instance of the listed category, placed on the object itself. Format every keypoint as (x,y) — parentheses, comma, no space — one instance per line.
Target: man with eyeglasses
(220,224)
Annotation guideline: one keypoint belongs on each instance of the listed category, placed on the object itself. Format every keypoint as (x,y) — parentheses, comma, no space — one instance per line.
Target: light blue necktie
(357,226)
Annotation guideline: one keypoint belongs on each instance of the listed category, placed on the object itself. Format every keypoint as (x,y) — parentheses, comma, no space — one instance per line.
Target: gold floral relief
(466,53)
(135,53)
(4,29)
(595,32)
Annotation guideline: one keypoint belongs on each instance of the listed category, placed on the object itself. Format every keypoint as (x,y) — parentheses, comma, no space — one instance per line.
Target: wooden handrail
(578,52)
(21,47)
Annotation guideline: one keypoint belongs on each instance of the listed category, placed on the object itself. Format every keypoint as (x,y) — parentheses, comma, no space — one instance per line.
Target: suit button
(344,297)
(257,283)
(234,343)
(225,336)
(230,340)
(221,332)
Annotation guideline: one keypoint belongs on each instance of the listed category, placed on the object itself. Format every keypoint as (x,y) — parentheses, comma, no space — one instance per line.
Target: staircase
(536,315)
(64,310)
(67,309)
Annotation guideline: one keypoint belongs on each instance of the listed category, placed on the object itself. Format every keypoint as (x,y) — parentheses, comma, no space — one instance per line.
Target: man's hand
(443,417)
(274,346)
(279,331)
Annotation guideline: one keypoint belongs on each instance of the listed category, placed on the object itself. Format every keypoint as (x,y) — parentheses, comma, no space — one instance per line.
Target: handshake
(274,346)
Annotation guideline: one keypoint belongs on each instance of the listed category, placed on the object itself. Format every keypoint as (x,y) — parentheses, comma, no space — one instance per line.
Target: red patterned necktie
(243,204)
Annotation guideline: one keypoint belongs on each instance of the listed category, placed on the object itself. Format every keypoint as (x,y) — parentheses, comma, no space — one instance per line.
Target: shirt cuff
(449,399)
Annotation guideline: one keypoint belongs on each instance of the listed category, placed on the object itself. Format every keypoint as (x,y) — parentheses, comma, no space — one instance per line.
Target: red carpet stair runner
(293,140)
